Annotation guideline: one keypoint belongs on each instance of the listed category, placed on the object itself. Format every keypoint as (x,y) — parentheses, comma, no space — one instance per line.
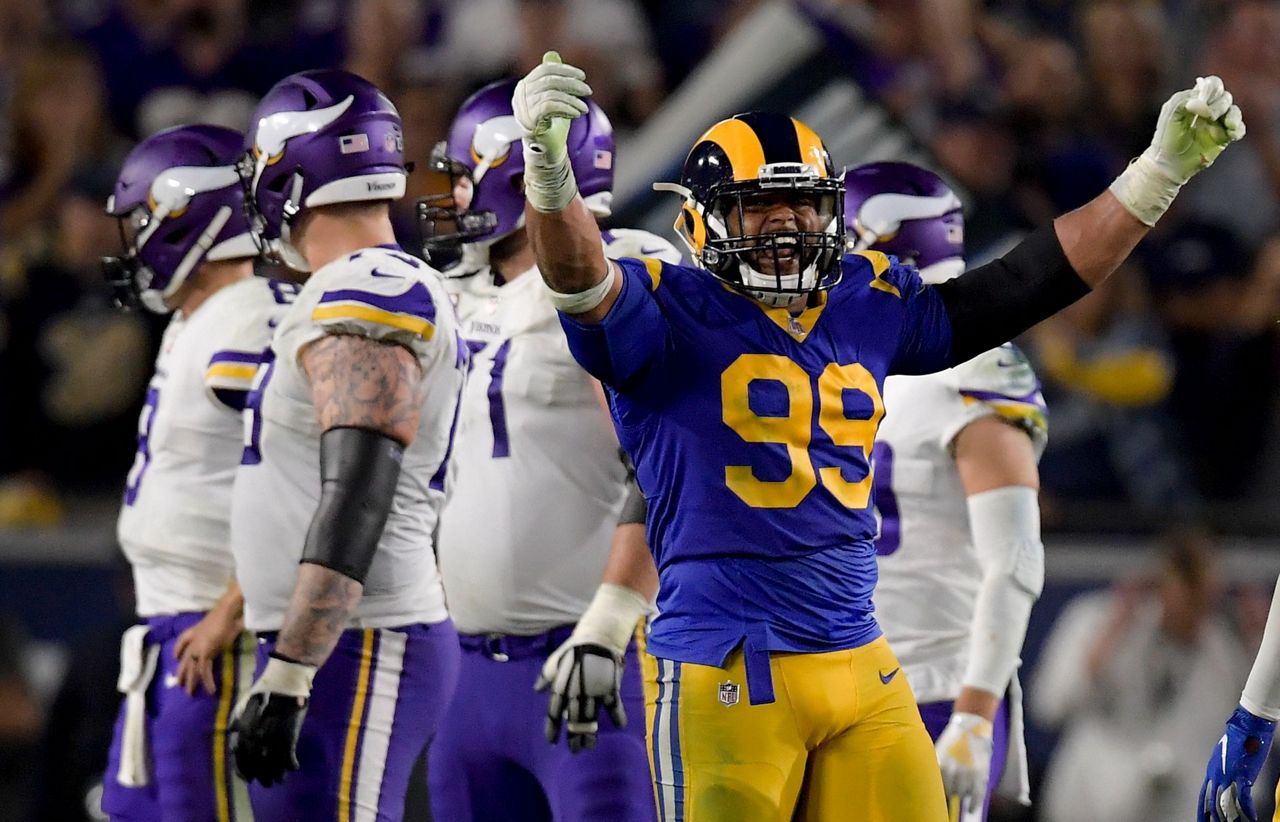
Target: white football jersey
(536,482)
(175,523)
(929,571)
(384,294)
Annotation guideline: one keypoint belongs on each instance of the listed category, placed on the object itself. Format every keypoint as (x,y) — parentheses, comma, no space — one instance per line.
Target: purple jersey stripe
(416,301)
(231,397)
(250,357)
(498,407)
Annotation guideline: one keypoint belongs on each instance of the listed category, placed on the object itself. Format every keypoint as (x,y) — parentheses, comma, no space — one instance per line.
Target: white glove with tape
(585,673)
(964,757)
(1195,125)
(545,102)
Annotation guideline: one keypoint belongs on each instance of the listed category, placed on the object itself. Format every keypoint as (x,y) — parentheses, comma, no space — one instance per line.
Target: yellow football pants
(842,742)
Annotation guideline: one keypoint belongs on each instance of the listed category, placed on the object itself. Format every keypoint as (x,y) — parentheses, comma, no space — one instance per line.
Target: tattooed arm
(368,397)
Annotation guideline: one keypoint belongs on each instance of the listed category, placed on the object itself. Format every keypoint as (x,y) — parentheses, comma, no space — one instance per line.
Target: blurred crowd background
(1163,467)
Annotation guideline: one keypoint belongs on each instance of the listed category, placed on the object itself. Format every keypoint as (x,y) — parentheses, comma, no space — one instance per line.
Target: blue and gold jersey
(751,430)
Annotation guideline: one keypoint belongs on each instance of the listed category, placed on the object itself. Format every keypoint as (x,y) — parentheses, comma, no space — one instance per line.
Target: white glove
(544,103)
(1194,127)
(585,673)
(964,757)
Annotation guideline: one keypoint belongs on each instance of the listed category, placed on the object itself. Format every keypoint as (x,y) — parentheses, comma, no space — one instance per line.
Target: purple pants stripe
(375,704)
(936,715)
(492,761)
(191,775)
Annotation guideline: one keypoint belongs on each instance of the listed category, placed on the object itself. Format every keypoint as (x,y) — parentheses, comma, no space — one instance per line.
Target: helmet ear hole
(176,235)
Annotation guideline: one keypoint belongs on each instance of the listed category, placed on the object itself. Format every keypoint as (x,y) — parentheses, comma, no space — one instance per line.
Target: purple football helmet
(909,212)
(320,138)
(484,148)
(179,202)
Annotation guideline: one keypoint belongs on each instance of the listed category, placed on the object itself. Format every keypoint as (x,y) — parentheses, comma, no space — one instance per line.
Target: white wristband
(288,678)
(549,185)
(581,302)
(1144,191)
(611,618)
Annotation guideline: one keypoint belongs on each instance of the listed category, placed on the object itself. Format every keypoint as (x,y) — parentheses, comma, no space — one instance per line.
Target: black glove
(264,733)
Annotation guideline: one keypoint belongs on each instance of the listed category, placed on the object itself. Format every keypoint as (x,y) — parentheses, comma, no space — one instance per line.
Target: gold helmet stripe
(740,144)
(811,148)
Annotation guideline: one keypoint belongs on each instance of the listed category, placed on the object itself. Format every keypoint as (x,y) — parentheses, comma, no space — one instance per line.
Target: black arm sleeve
(996,302)
(634,508)
(358,474)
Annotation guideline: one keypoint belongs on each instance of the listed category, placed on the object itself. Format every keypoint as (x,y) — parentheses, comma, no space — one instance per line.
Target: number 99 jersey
(174,526)
(751,430)
(383,294)
(925,547)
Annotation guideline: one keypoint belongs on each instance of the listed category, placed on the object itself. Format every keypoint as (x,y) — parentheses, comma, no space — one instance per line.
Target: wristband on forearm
(549,184)
(611,618)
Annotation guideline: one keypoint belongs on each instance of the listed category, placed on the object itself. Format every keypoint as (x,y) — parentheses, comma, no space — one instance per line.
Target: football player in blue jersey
(1237,759)
(747,391)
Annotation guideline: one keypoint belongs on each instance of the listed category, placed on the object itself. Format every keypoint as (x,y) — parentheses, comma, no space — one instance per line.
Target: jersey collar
(797,326)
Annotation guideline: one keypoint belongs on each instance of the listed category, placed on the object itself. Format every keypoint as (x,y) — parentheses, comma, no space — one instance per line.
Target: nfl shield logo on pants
(728,694)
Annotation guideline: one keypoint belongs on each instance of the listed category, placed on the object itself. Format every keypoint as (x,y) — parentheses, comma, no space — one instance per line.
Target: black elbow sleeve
(359,470)
(634,507)
(996,302)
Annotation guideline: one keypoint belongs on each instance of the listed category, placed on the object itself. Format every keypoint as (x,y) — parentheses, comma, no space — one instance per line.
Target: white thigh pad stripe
(377,723)
(667,768)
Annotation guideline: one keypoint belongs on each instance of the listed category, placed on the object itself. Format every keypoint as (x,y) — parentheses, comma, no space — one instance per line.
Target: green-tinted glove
(1195,125)
(545,102)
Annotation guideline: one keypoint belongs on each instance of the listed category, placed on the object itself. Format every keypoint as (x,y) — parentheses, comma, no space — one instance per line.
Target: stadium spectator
(20,722)
(57,130)
(1126,56)
(1219,302)
(22,27)
(608,38)
(73,368)
(1245,50)
(1108,374)
(1137,678)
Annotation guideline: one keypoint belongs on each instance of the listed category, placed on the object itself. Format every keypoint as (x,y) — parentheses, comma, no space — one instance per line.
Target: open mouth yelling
(779,257)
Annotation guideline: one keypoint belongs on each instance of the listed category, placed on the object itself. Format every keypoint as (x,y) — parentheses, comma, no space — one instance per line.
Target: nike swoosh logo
(887,678)
(376,273)
(652,250)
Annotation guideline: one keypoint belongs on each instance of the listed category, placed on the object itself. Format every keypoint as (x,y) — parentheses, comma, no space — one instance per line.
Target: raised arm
(565,237)
(1056,266)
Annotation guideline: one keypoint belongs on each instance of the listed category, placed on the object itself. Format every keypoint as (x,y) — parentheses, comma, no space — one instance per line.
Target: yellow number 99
(794,431)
